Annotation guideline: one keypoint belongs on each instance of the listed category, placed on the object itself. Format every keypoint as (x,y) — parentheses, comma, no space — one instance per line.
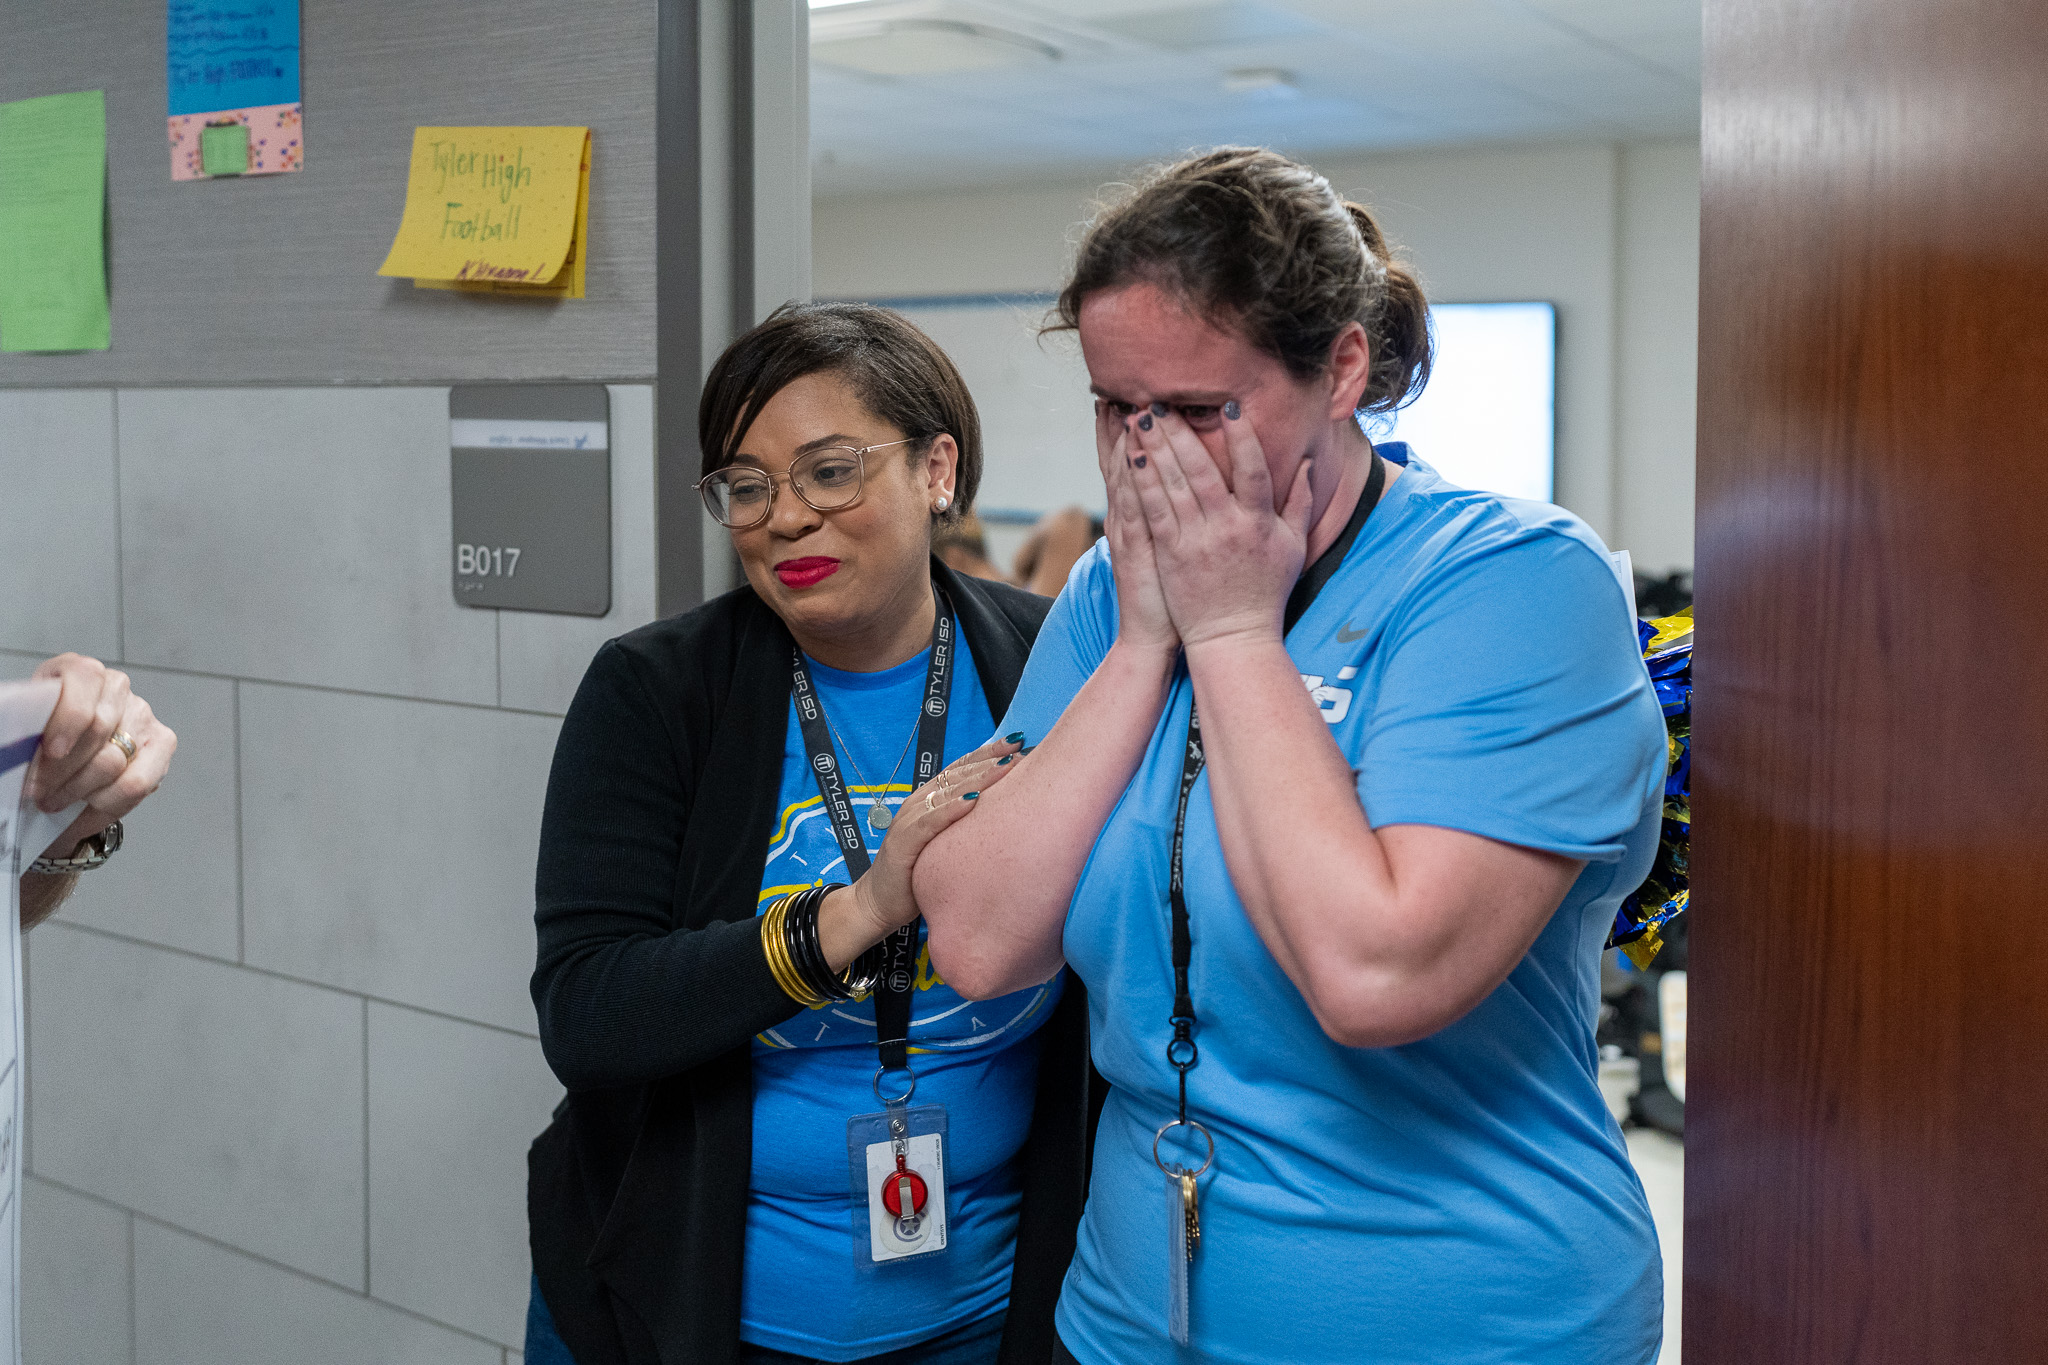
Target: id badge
(897,1162)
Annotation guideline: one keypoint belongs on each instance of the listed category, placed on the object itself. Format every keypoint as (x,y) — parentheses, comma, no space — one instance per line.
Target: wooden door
(1868,1135)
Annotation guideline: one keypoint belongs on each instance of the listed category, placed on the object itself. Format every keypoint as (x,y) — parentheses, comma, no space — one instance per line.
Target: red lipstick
(807,572)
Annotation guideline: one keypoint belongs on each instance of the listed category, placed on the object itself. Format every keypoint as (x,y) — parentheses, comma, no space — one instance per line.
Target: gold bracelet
(771,944)
(771,948)
(775,947)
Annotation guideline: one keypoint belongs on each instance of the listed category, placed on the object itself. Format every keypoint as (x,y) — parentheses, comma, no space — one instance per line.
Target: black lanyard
(1181,1052)
(892,993)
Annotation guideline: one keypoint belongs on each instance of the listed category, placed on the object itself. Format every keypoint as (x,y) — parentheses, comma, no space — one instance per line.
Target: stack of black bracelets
(789,940)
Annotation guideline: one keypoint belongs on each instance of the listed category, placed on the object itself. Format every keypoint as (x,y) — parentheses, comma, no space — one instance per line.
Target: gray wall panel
(300,535)
(274,277)
(59,524)
(453,1108)
(390,847)
(74,1278)
(220,1099)
(200,1304)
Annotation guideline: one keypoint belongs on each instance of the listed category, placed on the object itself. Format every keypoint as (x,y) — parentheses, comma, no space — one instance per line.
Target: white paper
(24,709)
(1624,568)
(39,829)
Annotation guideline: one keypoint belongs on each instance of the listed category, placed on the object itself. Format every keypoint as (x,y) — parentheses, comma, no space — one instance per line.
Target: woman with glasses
(786,1139)
(1341,771)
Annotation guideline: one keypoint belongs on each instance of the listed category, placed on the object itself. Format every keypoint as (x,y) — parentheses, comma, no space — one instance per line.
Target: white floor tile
(1660,1161)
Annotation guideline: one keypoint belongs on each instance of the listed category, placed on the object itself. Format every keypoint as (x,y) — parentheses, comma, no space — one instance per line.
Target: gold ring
(930,803)
(123,741)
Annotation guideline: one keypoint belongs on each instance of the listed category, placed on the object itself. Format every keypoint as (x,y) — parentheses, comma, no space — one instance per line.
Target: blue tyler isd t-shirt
(802,1292)
(1463,1198)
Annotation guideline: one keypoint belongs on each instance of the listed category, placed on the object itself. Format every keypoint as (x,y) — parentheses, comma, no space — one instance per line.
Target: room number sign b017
(486,561)
(530,479)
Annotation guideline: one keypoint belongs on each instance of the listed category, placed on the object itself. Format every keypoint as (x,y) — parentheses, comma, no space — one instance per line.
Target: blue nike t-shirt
(1462,1198)
(801,1292)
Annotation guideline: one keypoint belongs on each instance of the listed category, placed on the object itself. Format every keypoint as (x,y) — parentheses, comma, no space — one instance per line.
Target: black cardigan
(651,985)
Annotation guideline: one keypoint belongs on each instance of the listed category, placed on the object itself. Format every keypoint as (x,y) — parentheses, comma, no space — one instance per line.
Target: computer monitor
(1488,417)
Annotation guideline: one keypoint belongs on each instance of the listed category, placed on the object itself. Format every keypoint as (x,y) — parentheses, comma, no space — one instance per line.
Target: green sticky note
(53,201)
(224,150)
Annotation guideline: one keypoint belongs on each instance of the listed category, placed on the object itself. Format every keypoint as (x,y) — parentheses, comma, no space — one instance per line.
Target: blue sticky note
(232,54)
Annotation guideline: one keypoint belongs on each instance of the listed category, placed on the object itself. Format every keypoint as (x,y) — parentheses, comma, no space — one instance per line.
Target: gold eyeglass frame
(860,464)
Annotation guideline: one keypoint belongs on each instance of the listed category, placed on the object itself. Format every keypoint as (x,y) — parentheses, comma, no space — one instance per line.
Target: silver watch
(90,853)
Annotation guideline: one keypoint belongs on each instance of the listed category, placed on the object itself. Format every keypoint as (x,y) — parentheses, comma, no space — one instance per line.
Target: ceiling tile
(1145,79)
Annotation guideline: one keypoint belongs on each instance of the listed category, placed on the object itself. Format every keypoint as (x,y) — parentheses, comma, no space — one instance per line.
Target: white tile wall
(74,1279)
(453,1108)
(15,663)
(542,657)
(174,882)
(59,522)
(201,1304)
(216,1098)
(300,535)
(1657,355)
(310,1175)
(391,846)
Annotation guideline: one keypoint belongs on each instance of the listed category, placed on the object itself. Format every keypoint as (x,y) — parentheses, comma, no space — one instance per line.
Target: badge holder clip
(897,1163)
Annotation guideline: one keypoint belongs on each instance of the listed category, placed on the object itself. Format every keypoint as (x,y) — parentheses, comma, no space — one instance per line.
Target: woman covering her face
(786,1138)
(1341,773)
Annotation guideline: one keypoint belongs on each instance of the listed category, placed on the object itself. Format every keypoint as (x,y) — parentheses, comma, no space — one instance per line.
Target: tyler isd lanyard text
(892,995)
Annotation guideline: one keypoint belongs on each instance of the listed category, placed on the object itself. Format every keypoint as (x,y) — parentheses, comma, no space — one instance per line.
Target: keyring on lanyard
(1175,1171)
(904,1098)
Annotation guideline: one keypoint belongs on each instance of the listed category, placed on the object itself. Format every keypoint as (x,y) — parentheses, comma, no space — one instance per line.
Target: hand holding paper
(81,771)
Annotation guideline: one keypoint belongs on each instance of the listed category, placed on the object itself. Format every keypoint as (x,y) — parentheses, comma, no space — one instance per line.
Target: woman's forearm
(995,888)
(1286,808)
(618,1007)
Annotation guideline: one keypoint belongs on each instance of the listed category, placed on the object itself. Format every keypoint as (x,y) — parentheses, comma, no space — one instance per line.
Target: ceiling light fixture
(926,47)
(1260,83)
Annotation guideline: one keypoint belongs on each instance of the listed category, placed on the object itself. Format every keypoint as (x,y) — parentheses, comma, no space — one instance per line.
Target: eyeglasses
(826,479)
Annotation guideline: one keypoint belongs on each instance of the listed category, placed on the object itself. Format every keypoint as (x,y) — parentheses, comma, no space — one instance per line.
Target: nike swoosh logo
(1346,635)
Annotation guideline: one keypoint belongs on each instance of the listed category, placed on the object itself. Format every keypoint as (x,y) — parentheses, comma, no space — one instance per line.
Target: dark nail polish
(1026,749)
(970,796)
(1005,759)
(1139,462)
(1145,422)
(1232,410)
(1015,737)
(1159,409)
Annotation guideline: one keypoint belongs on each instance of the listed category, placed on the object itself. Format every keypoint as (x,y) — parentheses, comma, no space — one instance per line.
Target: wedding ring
(125,742)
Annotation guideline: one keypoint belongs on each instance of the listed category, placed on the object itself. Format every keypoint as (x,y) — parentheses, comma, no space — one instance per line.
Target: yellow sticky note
(568,282)
(494,206)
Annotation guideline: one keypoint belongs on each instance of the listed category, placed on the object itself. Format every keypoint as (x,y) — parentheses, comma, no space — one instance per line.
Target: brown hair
(1261,244)
(899,374)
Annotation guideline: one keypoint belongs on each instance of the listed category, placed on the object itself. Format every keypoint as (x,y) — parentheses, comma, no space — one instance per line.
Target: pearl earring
(944,503)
